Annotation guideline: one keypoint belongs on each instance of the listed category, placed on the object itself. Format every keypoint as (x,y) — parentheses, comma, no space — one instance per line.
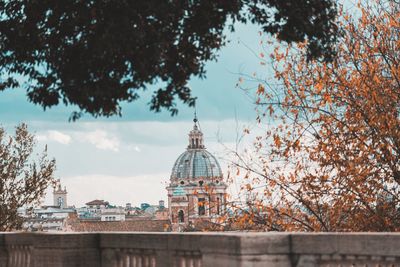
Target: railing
(198,249)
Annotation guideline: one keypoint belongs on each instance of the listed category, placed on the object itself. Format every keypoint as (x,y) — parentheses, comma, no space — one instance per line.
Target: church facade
(197,191)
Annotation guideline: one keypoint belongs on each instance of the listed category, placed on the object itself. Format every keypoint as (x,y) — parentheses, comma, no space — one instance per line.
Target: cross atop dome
(195,117)
(195,136)
(195,120)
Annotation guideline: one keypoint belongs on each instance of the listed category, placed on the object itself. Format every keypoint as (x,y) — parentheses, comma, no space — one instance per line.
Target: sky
(128,159)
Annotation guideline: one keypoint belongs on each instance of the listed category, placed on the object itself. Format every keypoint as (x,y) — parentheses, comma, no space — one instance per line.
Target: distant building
(111,215)
(161,214)
(47,212)
(196,192)
(59,196)
(161,204)
(97,204)
(144,206)
(134,211)
(95,207)
(48,218)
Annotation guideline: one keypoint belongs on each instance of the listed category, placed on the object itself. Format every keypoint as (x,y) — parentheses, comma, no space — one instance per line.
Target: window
(202,206)
(60,202)
(181,216)
(218,205)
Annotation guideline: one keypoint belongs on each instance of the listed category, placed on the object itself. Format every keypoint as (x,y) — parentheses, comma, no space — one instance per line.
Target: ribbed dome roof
(195,163)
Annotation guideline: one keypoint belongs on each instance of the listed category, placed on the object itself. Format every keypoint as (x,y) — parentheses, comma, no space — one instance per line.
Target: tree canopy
(97,54)
(23,178)
(331,159)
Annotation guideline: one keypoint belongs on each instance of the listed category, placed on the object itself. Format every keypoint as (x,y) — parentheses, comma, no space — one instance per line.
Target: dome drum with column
(196,190)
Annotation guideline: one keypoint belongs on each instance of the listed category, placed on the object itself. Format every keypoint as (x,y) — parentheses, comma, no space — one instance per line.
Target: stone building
(112,215)
(196,192)
(93,209)
(60,196)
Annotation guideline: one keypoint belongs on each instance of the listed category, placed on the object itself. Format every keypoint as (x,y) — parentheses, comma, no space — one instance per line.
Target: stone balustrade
(198,249)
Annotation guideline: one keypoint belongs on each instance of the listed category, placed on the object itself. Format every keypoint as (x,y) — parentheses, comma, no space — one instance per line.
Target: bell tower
(60,196)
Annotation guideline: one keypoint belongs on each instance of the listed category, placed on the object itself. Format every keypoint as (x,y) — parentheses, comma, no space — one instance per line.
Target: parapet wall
(198,249)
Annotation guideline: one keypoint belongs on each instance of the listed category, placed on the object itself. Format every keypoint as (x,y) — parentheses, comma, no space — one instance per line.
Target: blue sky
(129,159)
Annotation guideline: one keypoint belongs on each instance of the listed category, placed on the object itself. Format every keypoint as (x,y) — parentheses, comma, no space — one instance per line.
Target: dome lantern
(195,136)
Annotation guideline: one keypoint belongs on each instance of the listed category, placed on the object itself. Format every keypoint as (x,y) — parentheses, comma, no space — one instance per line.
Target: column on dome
(207,205)
(196,205)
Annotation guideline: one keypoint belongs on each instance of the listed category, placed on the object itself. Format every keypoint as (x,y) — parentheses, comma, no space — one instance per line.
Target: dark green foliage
(96,54)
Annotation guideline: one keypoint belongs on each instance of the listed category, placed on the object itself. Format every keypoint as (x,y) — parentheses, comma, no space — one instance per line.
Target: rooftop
(97,202)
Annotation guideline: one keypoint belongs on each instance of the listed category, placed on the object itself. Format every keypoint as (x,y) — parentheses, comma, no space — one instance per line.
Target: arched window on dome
(181,216)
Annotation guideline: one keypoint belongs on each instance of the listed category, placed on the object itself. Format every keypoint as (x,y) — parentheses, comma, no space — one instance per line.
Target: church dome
(196,164)
(196,161)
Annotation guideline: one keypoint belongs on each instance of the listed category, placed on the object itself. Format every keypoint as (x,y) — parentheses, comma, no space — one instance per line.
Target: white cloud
(101,140)
(134,148)
(60,137)
(55,136)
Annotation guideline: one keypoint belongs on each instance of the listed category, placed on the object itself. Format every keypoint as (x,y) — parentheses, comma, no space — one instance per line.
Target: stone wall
(199,249)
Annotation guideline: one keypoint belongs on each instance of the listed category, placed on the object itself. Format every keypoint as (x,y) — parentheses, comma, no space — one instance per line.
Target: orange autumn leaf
(277,141)
(260,89)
